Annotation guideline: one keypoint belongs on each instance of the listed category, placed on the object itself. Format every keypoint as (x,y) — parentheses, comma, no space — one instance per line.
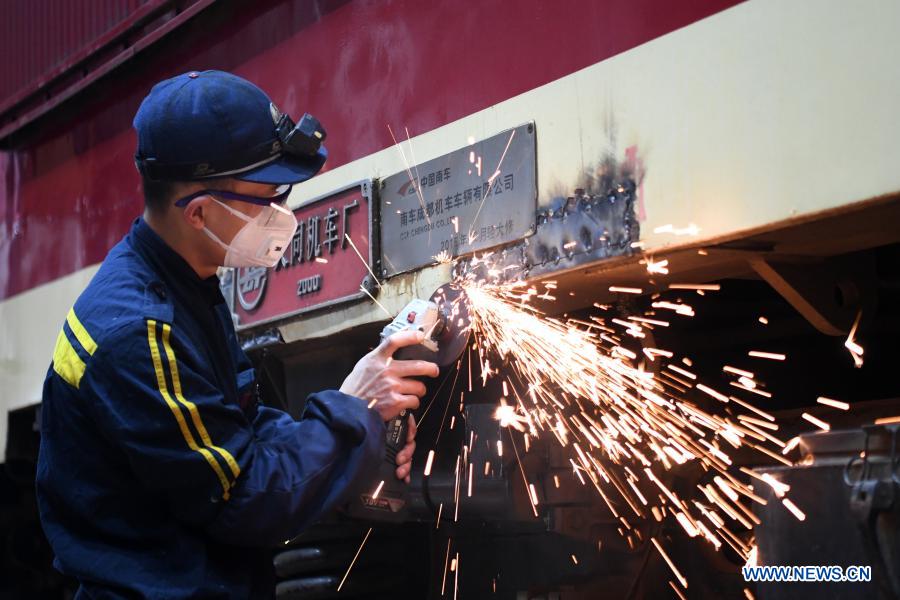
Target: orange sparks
(352,562)
(653,352)
(379,304)
(669,562)
(691,229)
(737,371)
(833,403)
(792,443)
(456,576)
(681,371)
(749,406)
(801,516)
(650,321)
(377,490)
(681,309)
(778,487)
(534,498)
(446,564)
(752,556)
(758,422)
(442,258)
(661,267)
(676,590)
(686,525)
(710,287)
(748,385)
(364,261)
(625,290)
(817,422)
(428,463)
(575,383)
(509,418)
(769,355)
(712,392)
(856,351)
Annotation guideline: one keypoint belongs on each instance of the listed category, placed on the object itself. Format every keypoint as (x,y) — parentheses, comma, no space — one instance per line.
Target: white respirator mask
(263,239)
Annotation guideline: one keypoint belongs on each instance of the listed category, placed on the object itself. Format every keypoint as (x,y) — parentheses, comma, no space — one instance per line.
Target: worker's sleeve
(245,483)
(328,473)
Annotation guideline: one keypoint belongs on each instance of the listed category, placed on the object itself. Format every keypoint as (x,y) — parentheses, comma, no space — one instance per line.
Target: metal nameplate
(474,198)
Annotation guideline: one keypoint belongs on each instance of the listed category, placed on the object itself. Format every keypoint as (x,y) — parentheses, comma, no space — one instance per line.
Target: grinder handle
(395,440)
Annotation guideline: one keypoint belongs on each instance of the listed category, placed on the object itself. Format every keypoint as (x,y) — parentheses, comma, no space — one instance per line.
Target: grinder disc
(451,302)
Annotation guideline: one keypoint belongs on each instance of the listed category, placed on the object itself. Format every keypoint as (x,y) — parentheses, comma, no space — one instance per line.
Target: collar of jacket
(175,272)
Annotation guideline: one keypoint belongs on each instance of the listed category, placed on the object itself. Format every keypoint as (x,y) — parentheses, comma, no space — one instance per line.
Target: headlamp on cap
(303,139)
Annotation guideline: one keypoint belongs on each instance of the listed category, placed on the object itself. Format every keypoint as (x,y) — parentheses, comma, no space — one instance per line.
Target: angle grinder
(444,319)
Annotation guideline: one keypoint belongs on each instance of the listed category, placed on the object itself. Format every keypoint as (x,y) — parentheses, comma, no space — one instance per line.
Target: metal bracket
(370,285)
(870,497)
(872,501)
(829,294)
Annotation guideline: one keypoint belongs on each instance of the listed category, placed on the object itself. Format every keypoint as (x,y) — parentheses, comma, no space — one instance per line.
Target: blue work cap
(207,124)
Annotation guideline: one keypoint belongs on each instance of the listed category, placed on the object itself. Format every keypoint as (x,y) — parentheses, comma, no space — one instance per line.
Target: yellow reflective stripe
(192,408)
(66,361)
(182,424)
(81,334)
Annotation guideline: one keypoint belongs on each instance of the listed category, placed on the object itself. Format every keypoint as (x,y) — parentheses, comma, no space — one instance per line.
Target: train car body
(759,133)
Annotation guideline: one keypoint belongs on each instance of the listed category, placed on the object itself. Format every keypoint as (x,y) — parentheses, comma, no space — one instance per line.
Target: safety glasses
(281,195)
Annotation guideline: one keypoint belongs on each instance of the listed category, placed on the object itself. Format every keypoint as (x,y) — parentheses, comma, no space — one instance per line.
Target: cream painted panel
(30,322)
(780,109)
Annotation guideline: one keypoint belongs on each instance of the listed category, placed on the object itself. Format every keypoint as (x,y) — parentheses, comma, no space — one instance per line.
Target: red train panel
(70,189)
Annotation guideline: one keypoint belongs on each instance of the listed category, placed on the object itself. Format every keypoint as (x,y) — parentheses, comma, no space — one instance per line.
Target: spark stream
(623,427)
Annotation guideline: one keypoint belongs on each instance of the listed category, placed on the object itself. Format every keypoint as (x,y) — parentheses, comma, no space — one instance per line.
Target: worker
(161,473)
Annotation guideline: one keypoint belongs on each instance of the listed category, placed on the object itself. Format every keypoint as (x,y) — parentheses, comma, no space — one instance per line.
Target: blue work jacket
(159,474)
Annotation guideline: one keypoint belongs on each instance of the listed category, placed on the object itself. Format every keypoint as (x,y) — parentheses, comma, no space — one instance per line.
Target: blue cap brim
(286,170)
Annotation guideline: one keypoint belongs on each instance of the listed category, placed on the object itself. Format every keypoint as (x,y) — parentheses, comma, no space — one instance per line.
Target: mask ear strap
(214,238)
(236,213)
